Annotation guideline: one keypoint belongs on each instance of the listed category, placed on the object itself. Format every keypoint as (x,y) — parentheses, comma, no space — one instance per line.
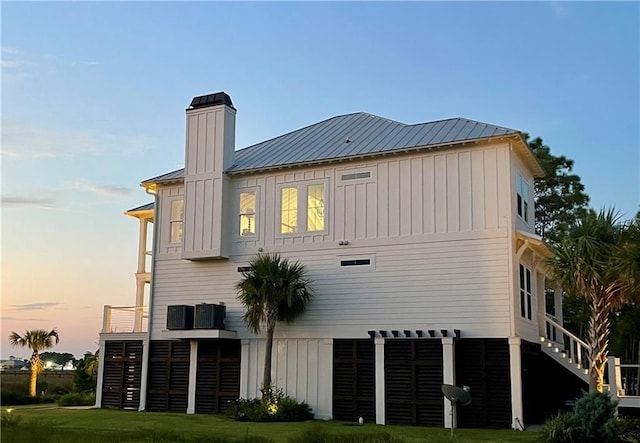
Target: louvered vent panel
(168,376)
(122,375)
(413,377)
(218,375)
(354,379)
(483,365)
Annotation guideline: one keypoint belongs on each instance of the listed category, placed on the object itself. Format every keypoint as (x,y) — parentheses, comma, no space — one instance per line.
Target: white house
(425,265)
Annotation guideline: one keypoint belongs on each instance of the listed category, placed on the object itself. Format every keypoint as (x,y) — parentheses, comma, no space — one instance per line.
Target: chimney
(209,151)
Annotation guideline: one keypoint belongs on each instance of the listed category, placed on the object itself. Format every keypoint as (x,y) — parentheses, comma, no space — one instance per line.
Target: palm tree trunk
(33,379)
(266,380)
(598,339)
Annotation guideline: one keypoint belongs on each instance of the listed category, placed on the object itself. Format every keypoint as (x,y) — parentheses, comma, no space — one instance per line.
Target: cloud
(5,318)
(28,142)
(20,202)
(35,306)
(112,191)
(19,65)
(88,63)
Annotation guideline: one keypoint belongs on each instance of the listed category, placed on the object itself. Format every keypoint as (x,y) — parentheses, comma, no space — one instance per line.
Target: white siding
(301,367)
(459,283)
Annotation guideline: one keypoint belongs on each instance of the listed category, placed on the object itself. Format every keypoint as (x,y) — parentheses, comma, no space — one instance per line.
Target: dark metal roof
(147,207)
(176,175)
(204,101)
(348,136)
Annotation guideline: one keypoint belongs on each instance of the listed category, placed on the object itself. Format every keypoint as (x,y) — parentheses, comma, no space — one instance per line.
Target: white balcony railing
(125,319)
(577,351)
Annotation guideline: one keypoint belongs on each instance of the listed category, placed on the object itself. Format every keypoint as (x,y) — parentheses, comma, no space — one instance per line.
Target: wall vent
(179,317)
(356,262)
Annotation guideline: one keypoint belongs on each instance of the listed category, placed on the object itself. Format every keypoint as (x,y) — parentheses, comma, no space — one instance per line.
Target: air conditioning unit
(179,317)
(209,316)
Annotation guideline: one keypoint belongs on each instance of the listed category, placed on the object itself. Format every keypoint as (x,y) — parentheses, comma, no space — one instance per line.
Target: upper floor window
(175,220)
(315,207)
(247,214)
(525,292)
(522,191)
(303,206)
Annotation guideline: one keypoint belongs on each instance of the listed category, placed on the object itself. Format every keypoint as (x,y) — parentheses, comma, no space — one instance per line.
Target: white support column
(193,370)
(100,378)
(325,379)
(380,397)
(143,376)
(448,377)
(244,368)
(137,321)
(557,302)
(615,378)
(142,246)
(517,420)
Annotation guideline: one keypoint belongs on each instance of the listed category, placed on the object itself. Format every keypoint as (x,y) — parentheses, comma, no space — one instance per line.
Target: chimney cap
(205,101)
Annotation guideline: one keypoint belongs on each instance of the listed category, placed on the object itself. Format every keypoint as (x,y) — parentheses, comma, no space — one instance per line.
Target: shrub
(557,429)
(77,399)
(626,430)
(593,416)
(273,407)
(8,419)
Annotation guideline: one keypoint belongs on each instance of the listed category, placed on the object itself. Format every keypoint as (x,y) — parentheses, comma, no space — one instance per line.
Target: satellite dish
(457,396)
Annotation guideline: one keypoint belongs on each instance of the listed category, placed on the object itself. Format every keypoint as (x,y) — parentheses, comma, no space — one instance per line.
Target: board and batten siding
(451,191)
(301,367)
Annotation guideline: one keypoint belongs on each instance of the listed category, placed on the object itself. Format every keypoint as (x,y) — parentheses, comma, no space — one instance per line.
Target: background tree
(59,358)
(559,196)
(586,262)
(85,375)
(272,290)
(36,340)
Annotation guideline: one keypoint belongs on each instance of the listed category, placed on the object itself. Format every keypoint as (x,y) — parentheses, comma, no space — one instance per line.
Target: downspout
(147,342)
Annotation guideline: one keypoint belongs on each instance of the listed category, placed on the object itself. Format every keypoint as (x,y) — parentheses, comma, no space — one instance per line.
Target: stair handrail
(578,340)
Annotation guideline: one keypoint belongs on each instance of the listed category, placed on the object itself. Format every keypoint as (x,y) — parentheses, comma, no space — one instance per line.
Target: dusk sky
(94,94)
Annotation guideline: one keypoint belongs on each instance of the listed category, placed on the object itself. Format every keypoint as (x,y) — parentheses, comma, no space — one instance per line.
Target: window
(315,207)
(303,208)
(247,214)
(175,221)
(522,190)
(288,210)
(525,292)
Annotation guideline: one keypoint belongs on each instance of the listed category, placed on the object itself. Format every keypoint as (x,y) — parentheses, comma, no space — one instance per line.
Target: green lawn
(53,424)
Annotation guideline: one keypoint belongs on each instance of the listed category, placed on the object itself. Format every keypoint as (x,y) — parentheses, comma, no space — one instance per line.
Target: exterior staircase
(566,348)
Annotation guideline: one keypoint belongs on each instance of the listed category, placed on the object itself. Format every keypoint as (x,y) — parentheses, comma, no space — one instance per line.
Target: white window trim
(302,208)
(525,208)
(525,296)
(170,201)
(236,224)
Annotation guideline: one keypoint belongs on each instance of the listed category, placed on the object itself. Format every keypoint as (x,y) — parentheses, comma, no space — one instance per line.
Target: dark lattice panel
(483,365)
(168,376)
(354,392)
(218,375)
(413,377)
(122,375)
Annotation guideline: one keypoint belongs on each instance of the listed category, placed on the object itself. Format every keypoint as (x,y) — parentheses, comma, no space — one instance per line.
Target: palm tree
(272,290)
(36,340)
(586,262)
